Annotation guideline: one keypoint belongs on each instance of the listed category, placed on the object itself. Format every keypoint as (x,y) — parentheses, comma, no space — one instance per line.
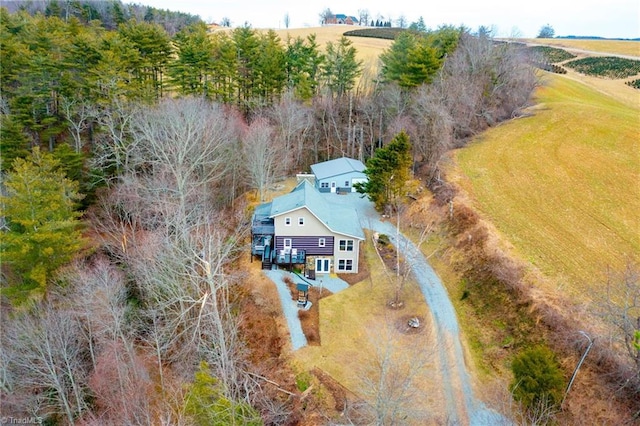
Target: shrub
(206,403)
(383,240)
(634,83)
(552,55)
(605,66)
(303,381)
(538,380)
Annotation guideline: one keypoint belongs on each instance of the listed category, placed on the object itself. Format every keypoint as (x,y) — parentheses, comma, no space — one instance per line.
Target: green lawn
(562,186)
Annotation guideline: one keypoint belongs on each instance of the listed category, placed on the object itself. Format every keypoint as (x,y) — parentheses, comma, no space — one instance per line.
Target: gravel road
(462,406)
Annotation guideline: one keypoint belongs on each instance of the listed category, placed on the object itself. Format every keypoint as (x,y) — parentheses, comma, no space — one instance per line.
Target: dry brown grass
(368,49)
(619,47)
(502,309)
(352,320)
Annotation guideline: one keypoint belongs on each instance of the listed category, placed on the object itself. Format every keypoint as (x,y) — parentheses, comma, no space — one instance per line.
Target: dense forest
(131,146)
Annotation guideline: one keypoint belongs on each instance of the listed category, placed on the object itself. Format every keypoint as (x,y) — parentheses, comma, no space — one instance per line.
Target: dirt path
(462,405)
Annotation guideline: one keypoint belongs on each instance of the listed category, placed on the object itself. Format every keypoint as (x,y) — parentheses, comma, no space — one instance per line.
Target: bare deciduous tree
(79,115)
(185,144)
(122,386)
(619,306)
(44,355)
(401,22)
(264,159)
(363,16)
(291,121)
(484,83)
(390,380)
(434,135)
(112,150)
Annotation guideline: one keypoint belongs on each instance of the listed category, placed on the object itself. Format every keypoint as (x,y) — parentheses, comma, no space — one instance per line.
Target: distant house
(303,228)
(341,19)
(338,175)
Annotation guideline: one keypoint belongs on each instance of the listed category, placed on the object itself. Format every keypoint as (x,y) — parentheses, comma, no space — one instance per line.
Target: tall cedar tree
(42,222)
(388,172)
(341,68)
(192,67)
(414,58)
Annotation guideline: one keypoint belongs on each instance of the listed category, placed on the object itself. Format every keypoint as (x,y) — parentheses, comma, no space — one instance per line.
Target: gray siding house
(338,175)
(304,228)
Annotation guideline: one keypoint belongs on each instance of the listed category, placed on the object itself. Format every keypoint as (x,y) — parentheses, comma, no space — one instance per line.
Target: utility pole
(575,372)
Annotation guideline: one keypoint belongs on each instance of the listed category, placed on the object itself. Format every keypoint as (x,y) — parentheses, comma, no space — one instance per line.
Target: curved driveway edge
(462,406)
(290,306)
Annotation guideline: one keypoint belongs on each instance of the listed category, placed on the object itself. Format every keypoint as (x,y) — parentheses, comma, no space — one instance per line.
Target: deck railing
(290,257)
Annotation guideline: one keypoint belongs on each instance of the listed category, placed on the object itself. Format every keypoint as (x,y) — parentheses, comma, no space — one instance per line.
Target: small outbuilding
(303,294)
(338,175)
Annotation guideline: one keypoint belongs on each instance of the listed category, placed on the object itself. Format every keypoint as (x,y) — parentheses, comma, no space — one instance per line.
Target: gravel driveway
(462,406)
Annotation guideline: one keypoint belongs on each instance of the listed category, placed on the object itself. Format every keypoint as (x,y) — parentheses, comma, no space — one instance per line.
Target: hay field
(617,47)
(367,48)
(563,185)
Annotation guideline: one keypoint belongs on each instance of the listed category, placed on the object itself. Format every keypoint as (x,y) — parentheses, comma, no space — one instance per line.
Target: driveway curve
(462,405)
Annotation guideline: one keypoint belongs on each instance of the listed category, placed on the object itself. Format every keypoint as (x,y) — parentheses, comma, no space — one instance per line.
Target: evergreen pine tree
(388,173)
(42,221)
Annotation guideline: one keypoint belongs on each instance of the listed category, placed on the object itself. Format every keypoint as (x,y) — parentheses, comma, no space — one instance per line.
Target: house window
(321,242)
(301,221)
(345,265)
(287,243)
(324,185)
(346,183)
(287,221)
(346,245)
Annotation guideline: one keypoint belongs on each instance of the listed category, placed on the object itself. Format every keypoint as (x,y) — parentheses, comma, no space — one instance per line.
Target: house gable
(336,218)
(309,227)
(339,174)
(341,19)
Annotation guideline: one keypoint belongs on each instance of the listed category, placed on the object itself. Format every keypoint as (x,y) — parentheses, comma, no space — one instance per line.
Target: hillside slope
(563,184)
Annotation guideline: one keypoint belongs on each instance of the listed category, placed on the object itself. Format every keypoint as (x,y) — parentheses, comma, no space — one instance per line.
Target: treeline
(106,13)
(123,307)
(58,75)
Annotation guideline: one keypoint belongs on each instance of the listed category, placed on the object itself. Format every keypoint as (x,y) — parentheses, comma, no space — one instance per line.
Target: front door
(322,265)
(333,187)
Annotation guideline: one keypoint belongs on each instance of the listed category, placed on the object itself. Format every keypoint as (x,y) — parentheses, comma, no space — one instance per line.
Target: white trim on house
(323,265)
(344,265)
(321,221)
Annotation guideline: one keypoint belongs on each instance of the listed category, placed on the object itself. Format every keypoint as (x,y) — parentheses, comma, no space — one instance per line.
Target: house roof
(343,16)
(337,167)
(337,218)
(262,211)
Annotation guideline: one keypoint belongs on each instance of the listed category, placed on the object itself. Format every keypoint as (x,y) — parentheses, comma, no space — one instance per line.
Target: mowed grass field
(563,185)
(368,49)
(618,47)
